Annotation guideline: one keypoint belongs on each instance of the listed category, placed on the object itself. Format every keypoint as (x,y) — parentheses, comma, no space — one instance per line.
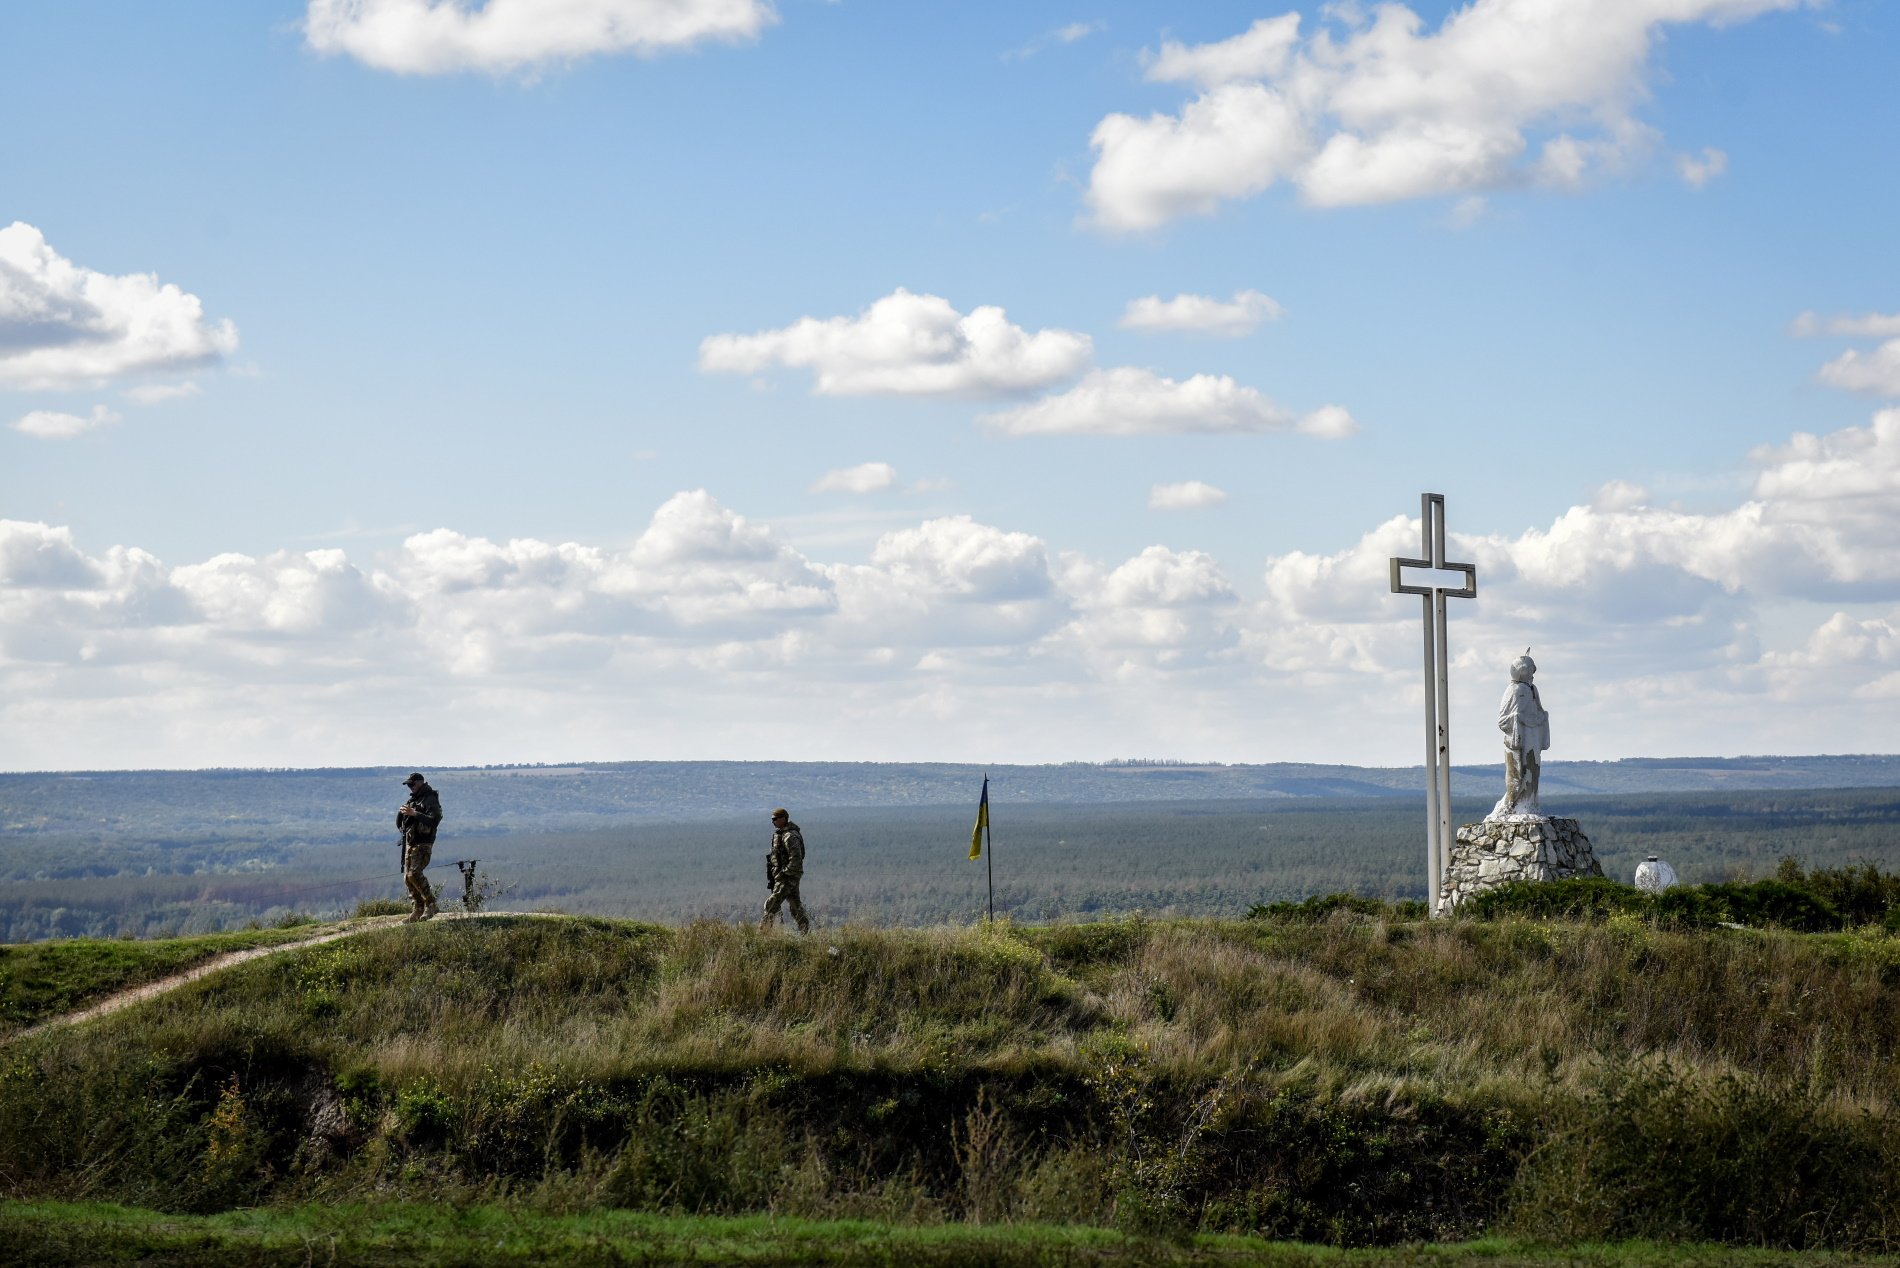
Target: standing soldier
(418,819)
(784,865)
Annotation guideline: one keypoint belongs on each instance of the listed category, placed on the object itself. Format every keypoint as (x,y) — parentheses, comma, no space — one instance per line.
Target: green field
(47,1234)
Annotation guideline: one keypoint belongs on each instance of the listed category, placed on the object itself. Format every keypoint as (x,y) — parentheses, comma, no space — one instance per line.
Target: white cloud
(53,425)
(157,393)
(1128,401)
(1072,33)
(866,477)
(907,345)
(1502,93)
(1667,631)
(1237,316)
(1698,170)
(1853,325)
(63,325)
(1262,51)
(428,37)
(1877,372)
(1187,495)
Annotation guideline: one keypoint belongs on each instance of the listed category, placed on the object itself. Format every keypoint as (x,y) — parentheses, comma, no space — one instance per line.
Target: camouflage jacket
(785,861)
(425,814)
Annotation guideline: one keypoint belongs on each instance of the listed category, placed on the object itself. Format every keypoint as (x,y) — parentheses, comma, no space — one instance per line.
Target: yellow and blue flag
(982,821)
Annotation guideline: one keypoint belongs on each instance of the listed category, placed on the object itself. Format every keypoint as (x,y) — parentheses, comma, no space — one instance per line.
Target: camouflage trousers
(785,893)
(415,862)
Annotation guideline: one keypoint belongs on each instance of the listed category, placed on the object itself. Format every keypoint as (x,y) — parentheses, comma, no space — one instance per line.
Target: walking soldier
(418,819)
(784,866)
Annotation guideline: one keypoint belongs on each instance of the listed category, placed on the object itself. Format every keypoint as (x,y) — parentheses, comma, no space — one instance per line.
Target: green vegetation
(48,1234)
(44,979)
(903,865)
(1808,901)
(1351,1079)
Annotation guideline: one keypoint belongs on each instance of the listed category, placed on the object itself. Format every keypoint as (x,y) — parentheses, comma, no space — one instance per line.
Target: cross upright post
(1434,590)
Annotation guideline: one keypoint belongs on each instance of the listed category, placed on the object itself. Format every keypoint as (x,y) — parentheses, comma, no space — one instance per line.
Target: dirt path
(219,963)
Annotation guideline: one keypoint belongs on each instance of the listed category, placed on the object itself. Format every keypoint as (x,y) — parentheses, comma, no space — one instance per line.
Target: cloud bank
(706,634)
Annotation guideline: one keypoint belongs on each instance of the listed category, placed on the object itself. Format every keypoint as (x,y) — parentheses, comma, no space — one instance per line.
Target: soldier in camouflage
(784,866)
(418,819)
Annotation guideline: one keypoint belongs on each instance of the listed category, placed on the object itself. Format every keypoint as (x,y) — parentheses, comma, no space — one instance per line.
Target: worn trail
(217,964)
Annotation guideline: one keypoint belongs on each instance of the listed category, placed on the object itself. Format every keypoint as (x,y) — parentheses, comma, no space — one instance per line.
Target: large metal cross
(1431,577)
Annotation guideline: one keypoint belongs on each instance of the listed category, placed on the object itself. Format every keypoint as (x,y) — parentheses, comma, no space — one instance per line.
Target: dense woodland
(899,865)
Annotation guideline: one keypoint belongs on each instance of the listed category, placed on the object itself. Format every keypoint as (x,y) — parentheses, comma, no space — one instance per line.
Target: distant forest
(353,805)
(889,865)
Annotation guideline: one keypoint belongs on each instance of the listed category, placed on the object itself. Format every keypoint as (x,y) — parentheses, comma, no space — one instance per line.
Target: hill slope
(1355,1080)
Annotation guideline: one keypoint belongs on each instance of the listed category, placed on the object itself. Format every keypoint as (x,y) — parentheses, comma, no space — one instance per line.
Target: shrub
(1320,906)
(1776,902)
(380,907)
(1862,893)
(1654,1152)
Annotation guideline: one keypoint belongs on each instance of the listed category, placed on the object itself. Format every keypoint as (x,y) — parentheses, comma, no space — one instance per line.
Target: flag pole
(989,846)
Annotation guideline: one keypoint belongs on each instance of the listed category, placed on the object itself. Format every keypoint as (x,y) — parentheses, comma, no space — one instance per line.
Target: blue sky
(436,454)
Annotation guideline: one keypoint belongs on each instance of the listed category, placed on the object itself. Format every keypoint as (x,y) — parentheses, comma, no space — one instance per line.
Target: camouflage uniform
(784,866)
(418,826)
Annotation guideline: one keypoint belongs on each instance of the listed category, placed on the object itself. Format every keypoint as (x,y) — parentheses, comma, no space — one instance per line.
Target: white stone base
(1515,848)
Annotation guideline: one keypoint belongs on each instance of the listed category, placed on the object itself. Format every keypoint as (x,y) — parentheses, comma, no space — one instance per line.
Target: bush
(1801,904)
(1579,898)
(1320,906)
(1862,893)
(1655,1153)
(380,907)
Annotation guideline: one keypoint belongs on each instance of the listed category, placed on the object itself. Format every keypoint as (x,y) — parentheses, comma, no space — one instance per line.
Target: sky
(427,383)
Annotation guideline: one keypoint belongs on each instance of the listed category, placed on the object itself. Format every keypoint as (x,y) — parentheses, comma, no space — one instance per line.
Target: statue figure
(1526,730)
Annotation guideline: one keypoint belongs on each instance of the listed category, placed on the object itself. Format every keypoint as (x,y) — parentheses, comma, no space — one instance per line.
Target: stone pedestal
(1515,848)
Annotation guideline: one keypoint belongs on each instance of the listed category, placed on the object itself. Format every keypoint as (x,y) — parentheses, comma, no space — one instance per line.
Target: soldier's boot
(428,910)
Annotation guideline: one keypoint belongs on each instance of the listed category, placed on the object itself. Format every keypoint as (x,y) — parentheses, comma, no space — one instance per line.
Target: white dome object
(1654,876)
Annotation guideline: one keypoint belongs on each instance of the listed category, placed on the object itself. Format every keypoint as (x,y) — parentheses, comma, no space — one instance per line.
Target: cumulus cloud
(1128,401)
(1187,495)
(1502,93)
(907,345)
(50,424)
(1875,372)
(866,477)
(1698,170)
(430,37)
(1667,630)
(1201,313)
(63,325)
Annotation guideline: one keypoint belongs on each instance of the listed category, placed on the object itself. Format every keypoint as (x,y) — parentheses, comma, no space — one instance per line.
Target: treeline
(337,806)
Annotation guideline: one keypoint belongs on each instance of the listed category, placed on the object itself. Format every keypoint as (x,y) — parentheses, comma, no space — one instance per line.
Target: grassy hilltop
(1345,1077)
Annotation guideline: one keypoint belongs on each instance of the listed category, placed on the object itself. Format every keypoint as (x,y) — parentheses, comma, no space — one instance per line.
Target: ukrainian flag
(982,821)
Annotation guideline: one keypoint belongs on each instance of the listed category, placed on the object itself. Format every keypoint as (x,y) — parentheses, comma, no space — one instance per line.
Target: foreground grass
(1357,1080)
(43,979)
(43,1235)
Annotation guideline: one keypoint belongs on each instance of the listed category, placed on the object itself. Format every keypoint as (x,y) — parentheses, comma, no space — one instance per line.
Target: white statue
(1526,730)
(1654,876)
